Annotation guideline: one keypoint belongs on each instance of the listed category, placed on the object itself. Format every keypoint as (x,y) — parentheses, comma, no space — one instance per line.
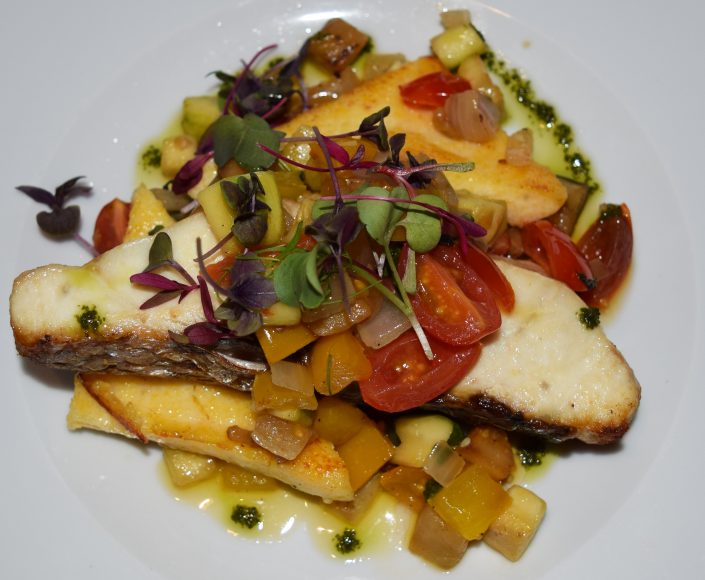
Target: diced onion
(469,115)
(453,18)
(520,148)
(378,64)
(293,376)
(283,438)
(387,324)
(435,541)
(443,464)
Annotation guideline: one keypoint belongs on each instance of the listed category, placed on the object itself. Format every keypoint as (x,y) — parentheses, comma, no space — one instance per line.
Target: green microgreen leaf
(409,278)
(161,250)
(380,217)
(423,227)
(292,283)
(237,138)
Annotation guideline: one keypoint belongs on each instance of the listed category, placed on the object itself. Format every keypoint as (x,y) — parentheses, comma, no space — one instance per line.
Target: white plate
(85,85)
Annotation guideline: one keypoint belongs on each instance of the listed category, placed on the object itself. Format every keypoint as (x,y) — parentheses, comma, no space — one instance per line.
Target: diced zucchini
(221,216)
(511,533)
(199,113)
(418,435)
(456,44)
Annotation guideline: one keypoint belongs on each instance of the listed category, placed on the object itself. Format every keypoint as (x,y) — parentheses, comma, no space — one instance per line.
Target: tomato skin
(556,253)
(607,245)
(488,270)
(404,378)
(431,91)
(111,225)
(452,302)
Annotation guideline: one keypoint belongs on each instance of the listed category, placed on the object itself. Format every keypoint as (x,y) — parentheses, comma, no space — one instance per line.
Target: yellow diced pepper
(278,342)
(338,360)
(337,421)
(267,395)
(364,454)
(471,502)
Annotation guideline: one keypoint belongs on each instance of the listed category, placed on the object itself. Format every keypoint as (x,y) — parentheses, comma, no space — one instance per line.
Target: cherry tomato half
(111,225)
(452,303)
(488,270)
(556,253)
(431,91)
(404,378)
(607,245)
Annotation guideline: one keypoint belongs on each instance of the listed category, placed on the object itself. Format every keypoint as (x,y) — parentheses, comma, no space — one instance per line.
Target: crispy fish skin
(532,191)
(196,417)
(46,303)
(544,373)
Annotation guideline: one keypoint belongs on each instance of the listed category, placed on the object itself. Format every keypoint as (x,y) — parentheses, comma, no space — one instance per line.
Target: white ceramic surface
(86,85)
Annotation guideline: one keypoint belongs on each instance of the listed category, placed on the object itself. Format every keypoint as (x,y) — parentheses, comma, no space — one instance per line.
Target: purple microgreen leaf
(250,229)
(190,173)
(206,301)
(71,188)
(374,129)
(160,298)
(247,323)
(204,333)
(62,221)
(204,271)
(336,151)
(158,281)
(38,194)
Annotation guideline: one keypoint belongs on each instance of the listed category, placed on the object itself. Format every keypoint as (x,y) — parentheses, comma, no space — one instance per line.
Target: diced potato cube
(364,454)
(176,151)
(188,468)
(338,421)
(146,212)
(198,114)
(240,479)
(471,502)
(511,533)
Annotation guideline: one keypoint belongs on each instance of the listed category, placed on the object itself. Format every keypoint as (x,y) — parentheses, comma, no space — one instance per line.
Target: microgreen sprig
(61,221)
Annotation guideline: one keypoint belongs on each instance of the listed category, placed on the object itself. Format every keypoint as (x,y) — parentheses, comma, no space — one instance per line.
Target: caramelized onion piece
(386,325)
(285,439)
(469,115)
(293,376)
(443,464)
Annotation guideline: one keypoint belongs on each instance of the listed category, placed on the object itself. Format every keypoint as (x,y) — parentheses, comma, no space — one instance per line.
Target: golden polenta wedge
(531,191)
(196,417)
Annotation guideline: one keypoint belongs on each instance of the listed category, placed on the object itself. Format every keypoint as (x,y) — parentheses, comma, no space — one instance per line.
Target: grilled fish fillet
(545,373)
(531,191)
(196,417)
(46,304)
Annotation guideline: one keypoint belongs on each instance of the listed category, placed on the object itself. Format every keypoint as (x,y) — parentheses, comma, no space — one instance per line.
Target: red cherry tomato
(404,378)
(431,91)
(556,253)
(452,302)
(607,245)
(111,225)
(488,270)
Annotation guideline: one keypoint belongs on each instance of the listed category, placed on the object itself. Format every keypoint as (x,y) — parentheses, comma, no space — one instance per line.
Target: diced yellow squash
(364,454)
(198,113)
(267,395)
(146,213)
(290,184)
(338,421)
(338,360)
(454,45)
(491,214)
(219,214)
(511,533)
(176,151)
(187,468)
(275,215)
(278,342)
(471,502)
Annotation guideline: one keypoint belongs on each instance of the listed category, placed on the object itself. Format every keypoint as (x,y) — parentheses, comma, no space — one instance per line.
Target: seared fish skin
(544,373)
(46,304)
